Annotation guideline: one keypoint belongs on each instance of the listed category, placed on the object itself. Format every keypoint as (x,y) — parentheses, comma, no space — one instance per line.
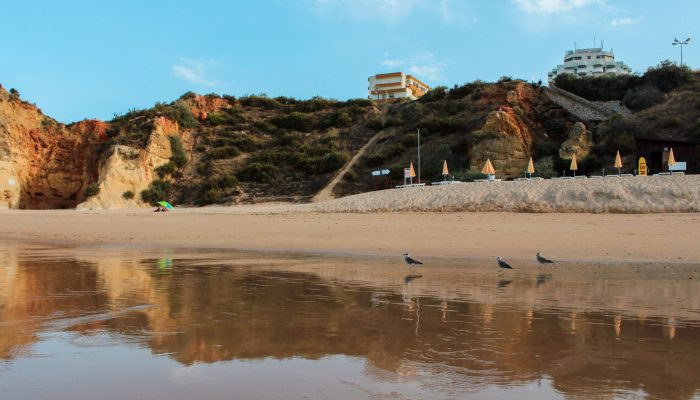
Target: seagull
(543,260)
(502,264)
(410,261)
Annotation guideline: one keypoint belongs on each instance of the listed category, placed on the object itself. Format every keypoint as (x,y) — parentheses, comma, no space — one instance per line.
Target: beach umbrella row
(489,170)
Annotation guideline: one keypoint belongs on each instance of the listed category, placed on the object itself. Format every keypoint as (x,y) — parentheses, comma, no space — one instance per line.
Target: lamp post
(680,43)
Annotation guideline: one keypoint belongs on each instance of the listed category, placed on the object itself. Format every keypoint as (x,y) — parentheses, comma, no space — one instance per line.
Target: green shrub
(375,123)
(165,169)
(257,172)
(222,182)
(325,163)
(211,196)
(225,152)
(92,190)
(643,97)
(179,157)
(295,120)
(260,101)
(441,125)
(434,94)
(314,104)
(128,195)
(157,191)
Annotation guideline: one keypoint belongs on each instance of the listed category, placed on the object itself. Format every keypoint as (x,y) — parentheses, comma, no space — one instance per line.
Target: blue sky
(90,59)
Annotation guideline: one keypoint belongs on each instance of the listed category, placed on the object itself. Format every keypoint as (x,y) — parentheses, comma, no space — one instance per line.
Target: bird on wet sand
(543,260)
(502,264)
(410,261)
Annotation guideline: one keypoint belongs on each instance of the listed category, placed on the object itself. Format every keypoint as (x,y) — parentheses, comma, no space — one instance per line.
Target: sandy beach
(571,236)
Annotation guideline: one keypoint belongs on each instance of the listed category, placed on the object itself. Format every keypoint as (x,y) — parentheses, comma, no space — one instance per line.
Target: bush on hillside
(157,191)
(179,157)
(128,195)
(295,120)
(643,97)
(257,172)
(92,190)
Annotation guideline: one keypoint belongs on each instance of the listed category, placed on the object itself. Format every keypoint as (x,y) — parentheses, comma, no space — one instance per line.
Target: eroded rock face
(44,164)
(129,169)
(579,142)
(201,106)
(506,140)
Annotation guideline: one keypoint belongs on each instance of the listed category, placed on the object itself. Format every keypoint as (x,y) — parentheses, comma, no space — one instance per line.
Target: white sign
(376,173)
(11,182)
(385,172)
(678,166)
(406,172)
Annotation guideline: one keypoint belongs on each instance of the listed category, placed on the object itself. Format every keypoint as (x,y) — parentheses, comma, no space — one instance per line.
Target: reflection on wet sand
(455,329)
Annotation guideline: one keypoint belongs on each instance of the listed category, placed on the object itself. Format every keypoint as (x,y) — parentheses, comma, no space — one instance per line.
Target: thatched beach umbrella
(488,168)
(671,160)
(574,164)
(530,167)
(445,171)
(618,162)
(412,173)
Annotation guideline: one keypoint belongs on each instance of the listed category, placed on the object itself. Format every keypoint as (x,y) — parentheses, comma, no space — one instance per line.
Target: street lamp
(679,43)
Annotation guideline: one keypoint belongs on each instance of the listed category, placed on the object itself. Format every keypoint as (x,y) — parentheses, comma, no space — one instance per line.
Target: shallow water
(114,324)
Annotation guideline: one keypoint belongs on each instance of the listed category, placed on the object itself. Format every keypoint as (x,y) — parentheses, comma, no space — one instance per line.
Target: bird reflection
(543,278)
(409,278)
(503,283)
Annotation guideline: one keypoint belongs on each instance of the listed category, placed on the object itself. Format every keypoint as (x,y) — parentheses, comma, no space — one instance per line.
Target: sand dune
(643,194)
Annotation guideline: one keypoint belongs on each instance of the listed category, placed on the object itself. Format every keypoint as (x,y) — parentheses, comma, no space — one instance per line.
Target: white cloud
(624,22)
(425,65)
(193,71)
(431,72)
(552,6)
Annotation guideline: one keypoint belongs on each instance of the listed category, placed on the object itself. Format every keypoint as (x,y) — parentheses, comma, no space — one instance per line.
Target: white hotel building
(394,86)
(589,62)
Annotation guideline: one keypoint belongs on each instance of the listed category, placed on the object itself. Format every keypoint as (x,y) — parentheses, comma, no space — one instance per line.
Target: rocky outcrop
(579,142)
(506,140)
(128,169)
(202,106)
(43,163)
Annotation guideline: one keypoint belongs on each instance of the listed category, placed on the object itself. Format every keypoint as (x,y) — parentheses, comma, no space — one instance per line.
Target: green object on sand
(165,204)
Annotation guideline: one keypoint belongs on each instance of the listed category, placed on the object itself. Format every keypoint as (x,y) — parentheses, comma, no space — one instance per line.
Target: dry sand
(361,224)
(573,237)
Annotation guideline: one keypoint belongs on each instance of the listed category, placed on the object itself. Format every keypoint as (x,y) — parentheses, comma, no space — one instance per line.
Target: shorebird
(543,260)
(502,264)
(410,261)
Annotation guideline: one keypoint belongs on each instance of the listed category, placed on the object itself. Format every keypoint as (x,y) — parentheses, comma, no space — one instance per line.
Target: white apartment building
(589,62)
(394,86)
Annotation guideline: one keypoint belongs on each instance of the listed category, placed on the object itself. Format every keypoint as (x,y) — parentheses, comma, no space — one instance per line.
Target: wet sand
(515,236)
(205,324)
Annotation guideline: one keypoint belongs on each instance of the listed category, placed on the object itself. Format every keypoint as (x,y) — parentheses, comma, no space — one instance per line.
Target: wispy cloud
(193,71)
(544,7)
(424,65)
(616,23)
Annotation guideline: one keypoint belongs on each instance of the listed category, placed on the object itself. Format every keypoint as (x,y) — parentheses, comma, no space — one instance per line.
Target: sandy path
(327,192)
(575,237)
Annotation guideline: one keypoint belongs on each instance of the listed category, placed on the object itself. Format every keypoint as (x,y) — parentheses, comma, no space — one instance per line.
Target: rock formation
(506,140)
(129,169)
(43,163)
(579,142)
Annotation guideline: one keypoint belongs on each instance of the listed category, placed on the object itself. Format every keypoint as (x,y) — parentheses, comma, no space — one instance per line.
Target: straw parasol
(618,162)
(445,171)
(671,159)
(574,165)
(530,167)
(488,168)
